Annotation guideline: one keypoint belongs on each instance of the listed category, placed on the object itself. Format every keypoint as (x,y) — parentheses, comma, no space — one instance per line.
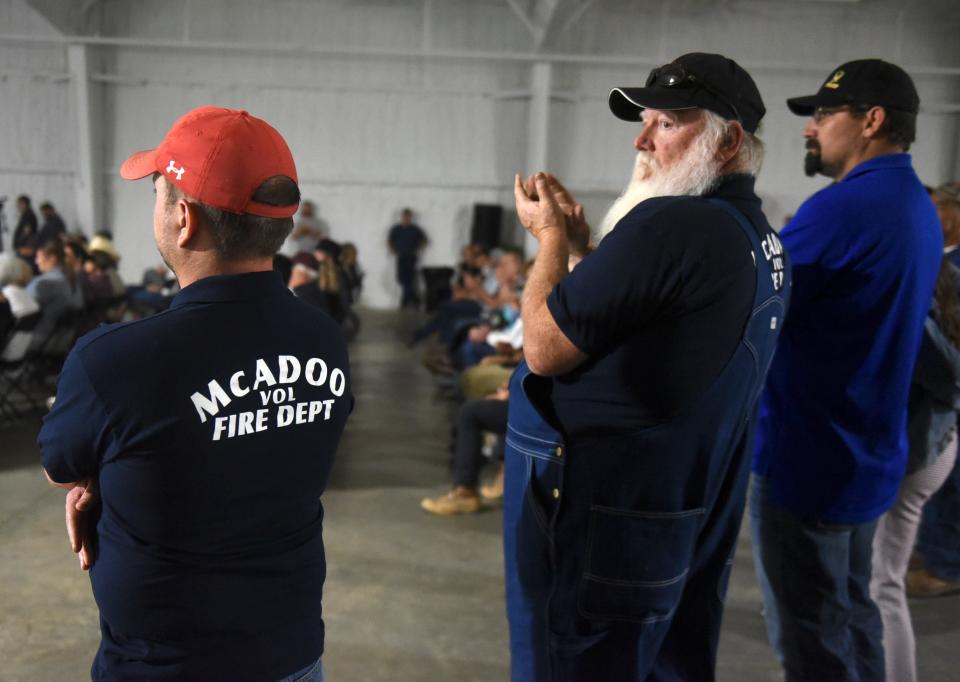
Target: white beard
(694,174)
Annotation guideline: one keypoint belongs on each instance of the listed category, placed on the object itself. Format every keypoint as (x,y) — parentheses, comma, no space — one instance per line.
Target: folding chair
(50,353)
(14,363)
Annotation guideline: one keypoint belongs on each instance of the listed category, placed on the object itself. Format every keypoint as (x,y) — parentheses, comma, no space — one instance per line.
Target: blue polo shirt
(212,427)
(832,434)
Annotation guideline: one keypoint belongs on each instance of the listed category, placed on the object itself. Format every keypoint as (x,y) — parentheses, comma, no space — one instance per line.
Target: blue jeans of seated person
(819,575)
(471,353)
(475,417)
(938,540)
(312,673)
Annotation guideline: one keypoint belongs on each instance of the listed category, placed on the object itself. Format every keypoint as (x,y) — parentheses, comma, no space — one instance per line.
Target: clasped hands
(546,207)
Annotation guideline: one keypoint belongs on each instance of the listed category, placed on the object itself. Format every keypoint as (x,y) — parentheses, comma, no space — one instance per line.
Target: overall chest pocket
(637,563)
(544,460)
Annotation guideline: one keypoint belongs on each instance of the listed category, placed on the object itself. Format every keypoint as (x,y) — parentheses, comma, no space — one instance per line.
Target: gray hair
(13,270)
(749,158)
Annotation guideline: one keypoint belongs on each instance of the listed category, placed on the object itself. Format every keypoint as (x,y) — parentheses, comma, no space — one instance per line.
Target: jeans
(471,353)
(407,277)
(819,577)
(939,538)
(769,609)
(475,417)
(312,673)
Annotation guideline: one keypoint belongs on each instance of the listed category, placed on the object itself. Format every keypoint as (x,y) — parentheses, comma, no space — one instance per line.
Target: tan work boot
(922,584)
(454,502)
(494,491)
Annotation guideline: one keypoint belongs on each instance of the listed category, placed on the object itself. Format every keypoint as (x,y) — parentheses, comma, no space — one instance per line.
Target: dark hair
(25,199)
(948,302)
(239,236)
(899,127)
(77,248)
(46,206)
(54,248)
(105,233)
(102,260)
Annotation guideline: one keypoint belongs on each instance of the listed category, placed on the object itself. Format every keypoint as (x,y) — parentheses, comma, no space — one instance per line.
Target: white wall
(444,130)
(37,147)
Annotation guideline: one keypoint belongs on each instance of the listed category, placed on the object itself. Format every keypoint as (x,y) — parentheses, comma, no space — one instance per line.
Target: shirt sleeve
(630,278)
(938,365)
(75,437)
(815,248)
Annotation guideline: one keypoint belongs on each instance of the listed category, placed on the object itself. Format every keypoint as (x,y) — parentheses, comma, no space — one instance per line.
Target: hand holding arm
(81,507)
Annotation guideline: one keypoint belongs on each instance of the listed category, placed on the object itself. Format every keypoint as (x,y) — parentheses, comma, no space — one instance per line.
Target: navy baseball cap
(697,80)
(871,82)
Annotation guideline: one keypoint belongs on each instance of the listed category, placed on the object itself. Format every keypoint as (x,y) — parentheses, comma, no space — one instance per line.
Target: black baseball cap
(872,82)
(695,81)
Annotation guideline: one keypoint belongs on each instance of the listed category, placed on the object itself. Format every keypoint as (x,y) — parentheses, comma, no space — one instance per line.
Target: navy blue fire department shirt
(212,427)
(661,330)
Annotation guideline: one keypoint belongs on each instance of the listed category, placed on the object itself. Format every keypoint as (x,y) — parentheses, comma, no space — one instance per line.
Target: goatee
(812,164)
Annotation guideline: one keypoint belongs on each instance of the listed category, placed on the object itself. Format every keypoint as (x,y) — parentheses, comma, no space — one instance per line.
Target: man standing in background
(831,446)
(405,241)
(26,227)
(53,226)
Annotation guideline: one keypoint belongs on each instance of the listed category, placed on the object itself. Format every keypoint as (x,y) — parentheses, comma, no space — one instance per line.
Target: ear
(188,223)
(730,143)
(873,121)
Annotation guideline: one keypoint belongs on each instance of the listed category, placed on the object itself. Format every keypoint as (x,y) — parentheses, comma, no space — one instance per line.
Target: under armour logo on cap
(171,168)
(229,153)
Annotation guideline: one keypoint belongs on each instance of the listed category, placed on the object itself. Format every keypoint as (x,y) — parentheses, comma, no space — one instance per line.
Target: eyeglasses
(675,76)
(821,113)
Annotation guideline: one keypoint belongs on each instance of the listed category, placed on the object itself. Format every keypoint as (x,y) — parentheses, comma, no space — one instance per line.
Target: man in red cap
(195,444)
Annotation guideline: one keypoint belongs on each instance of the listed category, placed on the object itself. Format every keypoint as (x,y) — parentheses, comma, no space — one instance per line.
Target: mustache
(812,146)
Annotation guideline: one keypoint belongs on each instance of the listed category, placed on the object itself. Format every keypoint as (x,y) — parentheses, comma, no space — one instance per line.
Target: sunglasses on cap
(675,76)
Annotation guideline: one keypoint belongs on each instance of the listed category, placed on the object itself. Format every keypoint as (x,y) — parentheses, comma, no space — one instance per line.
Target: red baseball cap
(219,157)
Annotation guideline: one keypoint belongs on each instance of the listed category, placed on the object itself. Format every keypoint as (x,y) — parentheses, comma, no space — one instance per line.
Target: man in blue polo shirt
(831,443)
(406,240)
(195,444)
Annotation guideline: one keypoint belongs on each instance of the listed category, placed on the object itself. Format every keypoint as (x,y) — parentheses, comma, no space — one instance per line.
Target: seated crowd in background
(476,336)
(328,277)
(67,285)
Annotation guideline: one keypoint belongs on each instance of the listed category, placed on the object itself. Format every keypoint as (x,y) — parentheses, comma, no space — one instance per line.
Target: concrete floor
(409,597)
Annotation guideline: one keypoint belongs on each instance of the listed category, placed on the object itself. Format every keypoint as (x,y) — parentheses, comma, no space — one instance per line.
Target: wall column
(538,130)
(88,185)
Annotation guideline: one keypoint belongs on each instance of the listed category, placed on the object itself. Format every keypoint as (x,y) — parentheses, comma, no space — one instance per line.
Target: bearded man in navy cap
(630,423)
(832,438)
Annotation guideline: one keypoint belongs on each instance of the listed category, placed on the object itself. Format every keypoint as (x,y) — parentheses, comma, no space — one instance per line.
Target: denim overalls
(618,548)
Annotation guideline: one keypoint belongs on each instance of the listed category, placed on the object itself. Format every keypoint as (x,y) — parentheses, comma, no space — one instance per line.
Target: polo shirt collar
(218,288)
(737,187)
(887,161)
